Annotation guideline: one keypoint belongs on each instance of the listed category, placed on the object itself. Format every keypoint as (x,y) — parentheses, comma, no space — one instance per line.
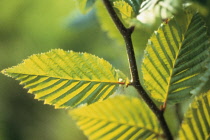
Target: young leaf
(135,4)
(125,9)
(108,26)
(85,5)
(117,118)
(196,124)
(176,61)
(67,79)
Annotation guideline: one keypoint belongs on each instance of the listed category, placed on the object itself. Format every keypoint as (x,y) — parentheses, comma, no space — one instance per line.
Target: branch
(126,33)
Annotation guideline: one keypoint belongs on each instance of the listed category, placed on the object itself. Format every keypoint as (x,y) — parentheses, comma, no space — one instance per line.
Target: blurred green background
(33,26)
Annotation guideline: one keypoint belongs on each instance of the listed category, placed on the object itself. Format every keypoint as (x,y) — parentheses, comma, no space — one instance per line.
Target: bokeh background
(33,26)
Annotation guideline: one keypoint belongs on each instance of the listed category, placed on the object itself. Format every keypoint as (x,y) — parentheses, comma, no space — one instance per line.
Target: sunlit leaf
(196,124)
(66,78)
(117,118)
(108,26)
(125,9)
(135,4)
(176,60)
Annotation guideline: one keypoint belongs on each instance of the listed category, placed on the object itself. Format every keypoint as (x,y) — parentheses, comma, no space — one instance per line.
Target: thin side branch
(126,33)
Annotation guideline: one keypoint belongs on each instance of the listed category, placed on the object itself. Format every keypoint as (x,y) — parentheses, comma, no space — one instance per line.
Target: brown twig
(126,33)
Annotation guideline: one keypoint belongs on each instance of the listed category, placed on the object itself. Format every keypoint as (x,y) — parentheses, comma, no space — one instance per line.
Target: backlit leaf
(135,4)
(196,124)
(125,9)
(108,26)
(176,60)
(117,118)
(66,78)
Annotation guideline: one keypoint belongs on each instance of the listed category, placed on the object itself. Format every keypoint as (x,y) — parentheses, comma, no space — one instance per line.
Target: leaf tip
(5,72)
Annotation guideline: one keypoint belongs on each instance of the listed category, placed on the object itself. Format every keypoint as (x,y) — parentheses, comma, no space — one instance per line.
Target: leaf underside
(117,118)
(196,125)
(66,78)
(175,64)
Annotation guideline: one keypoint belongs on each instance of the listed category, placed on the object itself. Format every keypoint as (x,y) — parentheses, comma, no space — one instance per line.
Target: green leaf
(117,118)
(67,79)
(85,5)
(135,4)
(196,124)
(125,9)
(176,60)
(108,26)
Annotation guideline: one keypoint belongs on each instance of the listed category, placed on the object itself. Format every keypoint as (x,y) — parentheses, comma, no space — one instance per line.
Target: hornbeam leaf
(196,124)
(125,9)
(176,60)
(66,78)
(117,118)
(135,4)
(109,27)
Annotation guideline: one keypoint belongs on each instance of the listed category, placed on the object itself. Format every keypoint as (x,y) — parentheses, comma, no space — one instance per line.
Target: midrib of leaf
(166,51)
(62,73)
(56,77)
(61,82)
(120,123)
(109,120)
(173,53)
(66,78)
(176,62)
(196,123)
